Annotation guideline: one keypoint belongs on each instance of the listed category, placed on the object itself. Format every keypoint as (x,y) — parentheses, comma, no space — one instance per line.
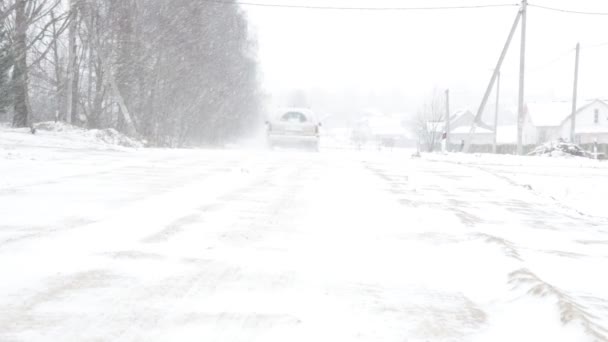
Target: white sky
(410,53)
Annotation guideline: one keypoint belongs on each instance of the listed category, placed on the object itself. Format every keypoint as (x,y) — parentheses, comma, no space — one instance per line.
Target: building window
(596,118)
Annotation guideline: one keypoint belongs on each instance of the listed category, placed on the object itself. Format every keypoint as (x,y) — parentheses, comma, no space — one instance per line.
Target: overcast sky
(410,53)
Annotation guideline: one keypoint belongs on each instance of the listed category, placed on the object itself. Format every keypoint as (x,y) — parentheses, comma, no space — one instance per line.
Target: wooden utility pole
(72,55)
(574,96)
(447,119)
(486,96)
(522,71)
(494,145)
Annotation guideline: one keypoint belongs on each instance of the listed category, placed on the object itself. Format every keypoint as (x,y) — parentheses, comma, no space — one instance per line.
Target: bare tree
(20,75)
(176,72)
(72,71)
(429,122)
(28,23)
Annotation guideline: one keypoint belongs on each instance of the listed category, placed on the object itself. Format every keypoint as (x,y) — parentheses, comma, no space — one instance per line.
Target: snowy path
(234,246)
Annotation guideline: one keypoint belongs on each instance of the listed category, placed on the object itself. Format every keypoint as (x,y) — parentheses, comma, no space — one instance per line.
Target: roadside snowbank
(109,135)
(20,142)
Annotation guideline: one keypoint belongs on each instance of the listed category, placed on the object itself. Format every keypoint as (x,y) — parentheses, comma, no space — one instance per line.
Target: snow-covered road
(157,245)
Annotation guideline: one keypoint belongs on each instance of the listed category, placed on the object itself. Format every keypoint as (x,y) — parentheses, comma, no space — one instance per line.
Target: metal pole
(494,146)
(574,96)
(486,96)
(447,119)
(522,70)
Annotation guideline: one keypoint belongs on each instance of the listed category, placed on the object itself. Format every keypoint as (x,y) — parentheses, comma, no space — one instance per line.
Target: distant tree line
(175,72)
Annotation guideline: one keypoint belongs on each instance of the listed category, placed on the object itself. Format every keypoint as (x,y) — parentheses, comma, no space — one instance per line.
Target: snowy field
(106,243)
(577,183)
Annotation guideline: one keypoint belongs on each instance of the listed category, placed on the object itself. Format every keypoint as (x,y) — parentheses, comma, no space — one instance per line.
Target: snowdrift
(109,135)
(560,149)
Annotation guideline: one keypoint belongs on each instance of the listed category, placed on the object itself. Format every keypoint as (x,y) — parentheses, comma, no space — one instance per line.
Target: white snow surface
(576,183)
(99,243)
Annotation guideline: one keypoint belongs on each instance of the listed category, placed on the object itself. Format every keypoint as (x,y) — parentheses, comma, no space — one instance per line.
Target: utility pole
(72,55)
(522,70)
(494,146)
(574,96)
(488,92)
(447,119)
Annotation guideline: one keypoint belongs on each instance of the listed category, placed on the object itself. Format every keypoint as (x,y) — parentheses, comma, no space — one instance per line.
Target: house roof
(439,126)
(553,114)
(459,113)
(587,104)
(466,129)
(548,114)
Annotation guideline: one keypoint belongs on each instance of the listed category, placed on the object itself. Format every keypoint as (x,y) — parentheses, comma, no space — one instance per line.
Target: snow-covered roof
(548,114)
(467,129)
(587,104)
(553,114)
(459,113)
(439,127)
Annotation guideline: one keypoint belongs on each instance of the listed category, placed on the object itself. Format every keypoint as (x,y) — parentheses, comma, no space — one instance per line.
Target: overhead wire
(569,11)
(594,46)
(543,66)
(422,8)
(341,8)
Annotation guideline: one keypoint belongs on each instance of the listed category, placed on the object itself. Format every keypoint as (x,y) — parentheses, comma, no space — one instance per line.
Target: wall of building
(478,138)
(587,129)
(590,138)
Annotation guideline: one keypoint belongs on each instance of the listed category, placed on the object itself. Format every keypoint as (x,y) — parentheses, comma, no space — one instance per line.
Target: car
(294,127)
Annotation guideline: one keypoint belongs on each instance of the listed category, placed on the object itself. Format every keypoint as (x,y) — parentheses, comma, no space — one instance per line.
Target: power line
(562,10)
(335,8)
(551,62)
(595,46)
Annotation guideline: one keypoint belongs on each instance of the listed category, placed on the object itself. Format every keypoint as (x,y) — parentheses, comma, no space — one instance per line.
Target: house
(547,118)
(507,134)
(483,135)
(543,122)
(460,118)
(552,121)
(460,129)
(591,123)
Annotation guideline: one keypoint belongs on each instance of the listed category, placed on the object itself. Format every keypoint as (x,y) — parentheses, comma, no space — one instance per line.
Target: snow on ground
(577,183)
(19,141)
(101,243)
